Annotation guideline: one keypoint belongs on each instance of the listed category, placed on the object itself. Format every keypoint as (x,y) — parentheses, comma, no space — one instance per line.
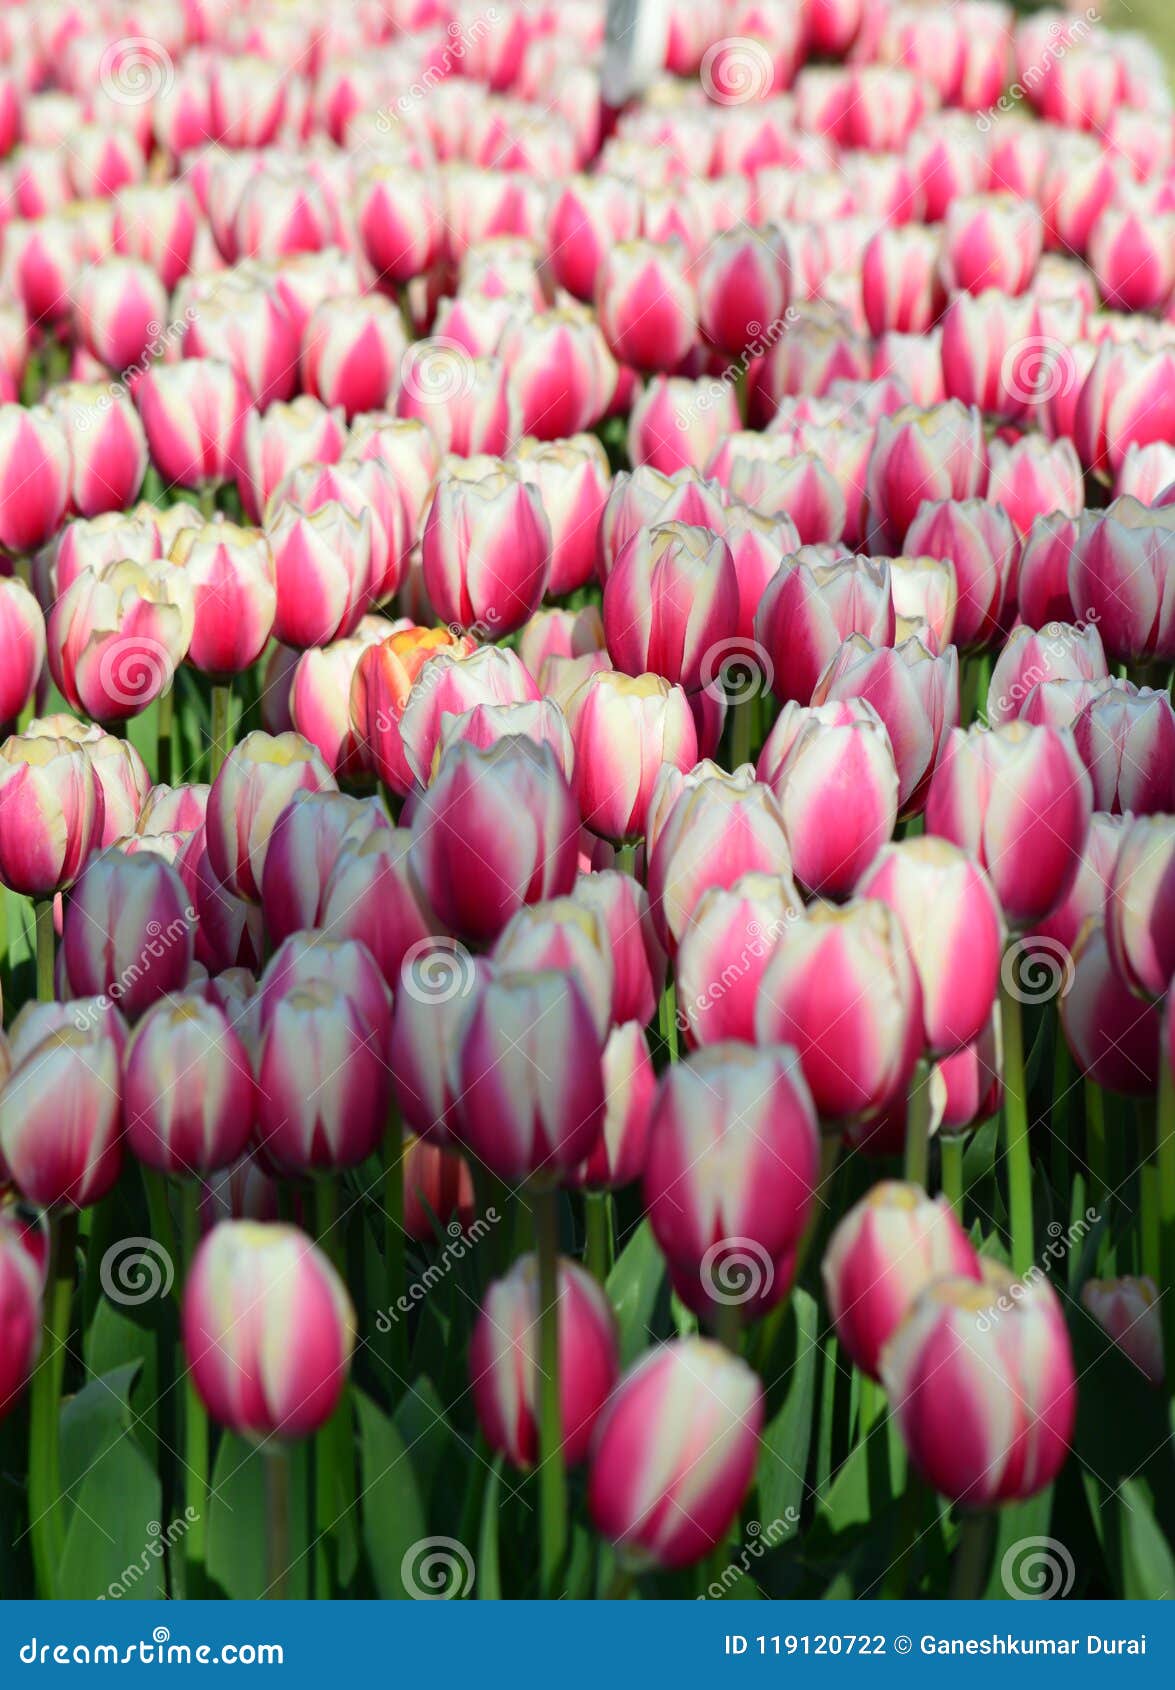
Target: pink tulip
(120,311)
(1127,399)
(61,1118)
(193,412)
(115,639)
(1128,1311)
(322,1081)
(647,306)
(247,1284)
(51,814)
(915,694)
(371,894)
(743,286)
(638,973)
(305,843)
(258,779)
(972,1080)
(982,543)
(468,404)
(1119,576)
(630,1084)
(435,994)
(322,571)
(406,447)
(20,1317)
(285,438)
(157,223)
(572,478)
(504,1368)
(230,574)
(1126,739)
(398,221)
(437,1187)
(561,934)
(676,423)
(458,676)
(880,1259)
(1035,477)
(589,215)
(1132,254)
(188,1089)
(1140,927)
(674,1452)
(669,602)
(991,241)
(107,446)
(809,609)
(982,1385)
(90,543)
(731,936)
(35,480)
(837,790)
(351,353)
(936,454)
(1043,584)
(22,647)
(128,931)
(1113,1037)
(625,730)
(486,548)
(247,326)
(900,285)
(561,371)
(1146,471)
(1060,651)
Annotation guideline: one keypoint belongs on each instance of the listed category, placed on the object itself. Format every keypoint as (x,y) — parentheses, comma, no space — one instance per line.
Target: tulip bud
(809,609)
(1126,740)
(1119,577)
(380,688)
(844,992)
(188,1089)
(1140,919)
(398,221)
(674,1452)
(258,779)
(622,905)
(588,217)
(881,1257)
(832,836)
(322,563)
(456,681)
(127,933)
(626,729)
(934,455)
(1128,398)
(486,549)
(497,829)
(351,353)
(119,310)
(646,305)
(563,935)
(287,437)
(561,372)
(1018,799)
(743,287)
(982,544)
(724,950)
(194,412)
(230,573)
(925,598)
(22,647)
(278,1369)
(34,482)
(504,1366)
(305,844)
(980,1376)
(669,602)
(1059,652)
(20,1317)
(991,241)
(116,638)
(61,1118)
(1127,1310)
(51,813)
(1113,1037)
(572,478)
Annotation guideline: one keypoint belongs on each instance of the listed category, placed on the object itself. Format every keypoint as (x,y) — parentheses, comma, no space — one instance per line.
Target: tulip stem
(326,1209)
(46,1525)
(668,1018)
(277,1520)
(552,1485)
(1095,1141)
(728,1327)
(1019,1154)
(973,1557)
(195,1424)
(598,1222)
(918,1126)
(164,730)
(952,1148)
(394,1258)
(222,706)
(43,916)
(742,713)
(1166,1184)
(626,858)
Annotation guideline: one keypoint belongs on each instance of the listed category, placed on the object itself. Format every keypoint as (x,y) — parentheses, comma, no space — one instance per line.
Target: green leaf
(633,1287)
(1019,1523)
(114,1536)
(114,1341)
(787,1437)
(489,1575)
(394,1522)
(237,1541)
(1148,1571)
(420,1420)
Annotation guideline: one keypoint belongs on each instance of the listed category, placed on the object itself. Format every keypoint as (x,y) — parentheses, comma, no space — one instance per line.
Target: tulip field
(587,800)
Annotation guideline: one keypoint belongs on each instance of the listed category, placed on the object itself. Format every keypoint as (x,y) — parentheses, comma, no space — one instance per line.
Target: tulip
(900,285)
(188,1090)
(127,932)
(116,638)
(51,813)
(1128,398)
(638,972)
(93,542)
(496,830)
(1126,740)
(837,790)
(43,259)
(561,371)
(589,215)
(468,404)
(351,353)
(22,647)
(370,894)
(398,221)
(1140,925)
(509,1113)
(677,423)
(732,1170)
(982,544)
(230,573)
(954,929)
(287,437)
(258,779)
(716,830)
(120,772)
(322,570)
(880,1259)
(572,478)
(119,311)
(107,446)
(542,722)
(307,838)
(743,288)
(915,694)
(380,687)
(981,1379)
(630,1084)
(925,594)
(972,1081)
(1043,584)
(670,600)
(1119,576)
(1132,254)
(61,1118)
(1058,652)
(647,306)
(406,448)
(1113,1037)
(626,729)
(457,680)
(157,222)
(323,1083)
(247,1284)
(1035,478)
(486,548)
(435,993)
(1018,799)
(564,935)
(34,483)
(674,1452)
(991,241)
(844,991)
(809,609)
(194,413)
(936,454)
(1146,471)
(247,326)
(1127,1310)
(730,938)
(20,1317)
(438,1191)
(504,1361)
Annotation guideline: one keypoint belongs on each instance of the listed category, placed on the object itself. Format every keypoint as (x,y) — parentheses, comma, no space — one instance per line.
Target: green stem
(207,500)
(277,1520)
(598,1221)
(872,1406)
(195,1424)
(159,1210)
(952,1148)
(626,858)
(46,942)
(46,1518)
(1095,1141)
(917,1159)
(552,1483)
(1019,1154)
(1165,1152)
(728,1327)
(395,1259)
(742,712)
(326,1207)
(668,1019)
(222,705)
(164,731)
(973,1557)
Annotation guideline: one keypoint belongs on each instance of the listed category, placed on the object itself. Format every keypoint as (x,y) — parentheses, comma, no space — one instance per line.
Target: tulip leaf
(237,1541)
(1147,1570)
(489,1574)
(115,1340)
(633,1288)
(395,1527)
(114,1537)
(419,1418)
(94,1420)
(783,1463)
(1018,1525)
